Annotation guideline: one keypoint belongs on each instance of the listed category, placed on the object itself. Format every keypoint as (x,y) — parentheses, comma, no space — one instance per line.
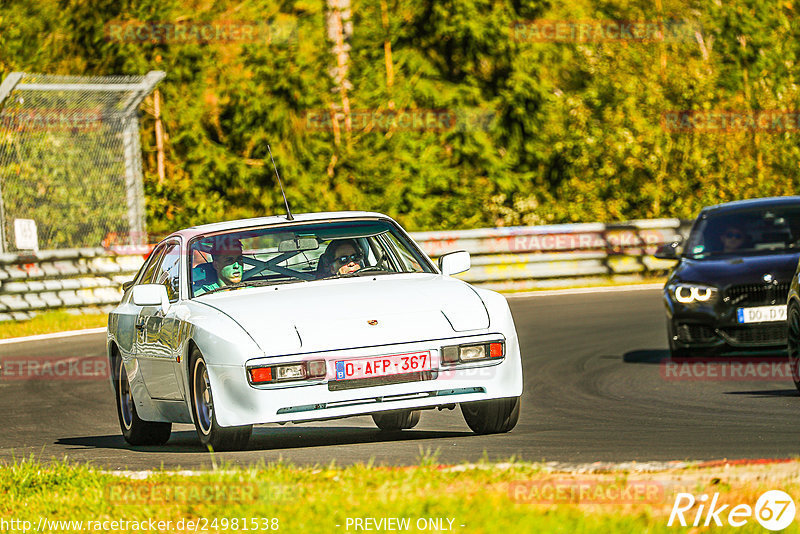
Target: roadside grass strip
(50,322)
(59,496)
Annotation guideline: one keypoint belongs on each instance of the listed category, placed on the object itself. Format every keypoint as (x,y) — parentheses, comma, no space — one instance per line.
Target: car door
(159,331)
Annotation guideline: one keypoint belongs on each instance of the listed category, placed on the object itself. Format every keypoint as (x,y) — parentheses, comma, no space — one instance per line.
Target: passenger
(226,254)
(342,257)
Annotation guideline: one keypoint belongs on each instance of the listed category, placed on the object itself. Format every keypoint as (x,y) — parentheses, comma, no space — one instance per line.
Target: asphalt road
(594,391)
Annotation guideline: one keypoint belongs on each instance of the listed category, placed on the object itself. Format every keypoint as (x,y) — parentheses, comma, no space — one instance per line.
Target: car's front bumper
(716,327)
(237,402)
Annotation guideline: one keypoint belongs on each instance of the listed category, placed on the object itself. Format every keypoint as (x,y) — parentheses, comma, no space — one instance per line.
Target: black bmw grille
(695,333)
(755,335)
(758,294)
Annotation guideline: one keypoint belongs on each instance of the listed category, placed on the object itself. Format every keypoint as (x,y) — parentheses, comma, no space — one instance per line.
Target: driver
(226,254)
(732,238)
(346,257)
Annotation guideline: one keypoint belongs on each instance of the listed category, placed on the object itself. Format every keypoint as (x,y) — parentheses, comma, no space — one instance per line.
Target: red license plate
(395,364)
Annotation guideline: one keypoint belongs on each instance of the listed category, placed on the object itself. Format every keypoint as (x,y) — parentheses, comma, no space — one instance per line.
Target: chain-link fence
(70,158)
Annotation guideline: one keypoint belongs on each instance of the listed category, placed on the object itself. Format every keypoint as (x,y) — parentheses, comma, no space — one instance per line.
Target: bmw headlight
(686,293)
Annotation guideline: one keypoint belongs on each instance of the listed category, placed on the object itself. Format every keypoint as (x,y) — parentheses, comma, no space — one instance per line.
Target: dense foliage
(565,131)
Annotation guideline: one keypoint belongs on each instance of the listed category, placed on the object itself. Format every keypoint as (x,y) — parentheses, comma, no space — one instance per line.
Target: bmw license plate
(761,314)
(394,364)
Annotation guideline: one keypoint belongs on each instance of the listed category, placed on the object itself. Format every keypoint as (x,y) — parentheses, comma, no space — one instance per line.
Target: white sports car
(320,316)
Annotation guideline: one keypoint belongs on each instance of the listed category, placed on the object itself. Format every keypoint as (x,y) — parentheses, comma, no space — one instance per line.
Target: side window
(169,271)
(409,263)
(149,268)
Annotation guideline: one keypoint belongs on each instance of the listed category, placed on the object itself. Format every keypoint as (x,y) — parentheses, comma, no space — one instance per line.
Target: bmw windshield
(298,253)
(767,230)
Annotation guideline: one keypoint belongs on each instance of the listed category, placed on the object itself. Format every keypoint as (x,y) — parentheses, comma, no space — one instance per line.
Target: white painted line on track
(54,335)
(583,290)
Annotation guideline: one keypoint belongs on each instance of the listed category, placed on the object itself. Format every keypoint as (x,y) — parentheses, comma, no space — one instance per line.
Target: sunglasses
(230,260)
(733,235)
(355,258)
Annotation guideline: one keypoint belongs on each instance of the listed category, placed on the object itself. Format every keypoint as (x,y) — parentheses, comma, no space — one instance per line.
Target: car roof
(752,203)
(193,231)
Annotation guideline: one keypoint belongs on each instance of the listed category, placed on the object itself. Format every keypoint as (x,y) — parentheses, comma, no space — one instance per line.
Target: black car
(729,290)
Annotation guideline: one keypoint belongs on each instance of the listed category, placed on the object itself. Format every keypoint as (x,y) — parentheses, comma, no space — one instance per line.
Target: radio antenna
(286,202)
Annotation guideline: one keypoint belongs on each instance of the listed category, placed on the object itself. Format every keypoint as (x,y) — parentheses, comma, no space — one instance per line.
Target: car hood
(728,271)
(338,314)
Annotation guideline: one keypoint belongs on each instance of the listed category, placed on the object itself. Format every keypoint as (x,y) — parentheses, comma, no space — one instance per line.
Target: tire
(396,420)
(213,436)
(135,430)
(493,416)
(793,342)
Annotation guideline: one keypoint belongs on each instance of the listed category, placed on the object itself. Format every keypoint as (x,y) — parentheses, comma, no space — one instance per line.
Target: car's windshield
(753,231)
(300,253)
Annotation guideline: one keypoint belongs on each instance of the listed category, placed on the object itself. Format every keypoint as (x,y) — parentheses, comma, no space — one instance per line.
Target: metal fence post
(6,87)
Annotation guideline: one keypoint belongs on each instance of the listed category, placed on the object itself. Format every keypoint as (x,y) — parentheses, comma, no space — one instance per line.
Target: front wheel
(213,436)
(793,343)
(135,430)
(492,416)
(397,419)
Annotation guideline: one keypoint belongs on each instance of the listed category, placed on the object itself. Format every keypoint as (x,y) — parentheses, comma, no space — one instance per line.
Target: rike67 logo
(774,510)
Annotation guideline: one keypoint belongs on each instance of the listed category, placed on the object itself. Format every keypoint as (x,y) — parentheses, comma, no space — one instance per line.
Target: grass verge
(51,321)
(483,498)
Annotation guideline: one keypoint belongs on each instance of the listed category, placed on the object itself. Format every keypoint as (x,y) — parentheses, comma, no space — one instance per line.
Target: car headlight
(692,293)
(455,354)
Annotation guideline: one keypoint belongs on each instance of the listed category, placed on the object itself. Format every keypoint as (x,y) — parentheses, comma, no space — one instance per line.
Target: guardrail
(513,258)
(82,279)
(529,257)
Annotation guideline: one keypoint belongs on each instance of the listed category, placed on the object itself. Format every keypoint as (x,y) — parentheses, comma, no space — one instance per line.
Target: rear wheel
(793,342)
(492,416)
(135,430)
(396,420)
(212,435)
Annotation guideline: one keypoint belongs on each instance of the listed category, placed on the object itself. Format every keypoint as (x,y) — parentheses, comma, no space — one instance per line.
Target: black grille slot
(757,294)
(339,385)
(695,333)
(756,335)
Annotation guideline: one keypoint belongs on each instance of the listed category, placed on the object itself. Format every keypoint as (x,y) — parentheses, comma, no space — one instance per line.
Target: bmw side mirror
(151,295)
(454,262)
(670,251)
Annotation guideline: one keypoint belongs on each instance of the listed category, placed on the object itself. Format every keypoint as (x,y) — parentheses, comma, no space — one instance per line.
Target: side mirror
(668,251)
(151,295)
(454,262)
